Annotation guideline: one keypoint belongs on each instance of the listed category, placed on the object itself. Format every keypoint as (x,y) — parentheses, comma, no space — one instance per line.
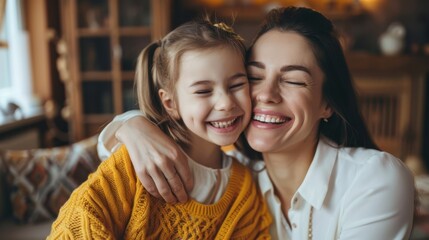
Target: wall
(413,14)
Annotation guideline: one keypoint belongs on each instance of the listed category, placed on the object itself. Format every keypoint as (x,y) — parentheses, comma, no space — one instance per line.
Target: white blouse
(355,193)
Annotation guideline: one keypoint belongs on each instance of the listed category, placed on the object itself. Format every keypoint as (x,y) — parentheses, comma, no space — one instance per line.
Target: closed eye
(253,78)
(238,85)
(296,83)
(204,91)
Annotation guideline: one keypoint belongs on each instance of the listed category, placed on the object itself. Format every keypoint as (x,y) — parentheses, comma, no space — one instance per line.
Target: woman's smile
(269,119)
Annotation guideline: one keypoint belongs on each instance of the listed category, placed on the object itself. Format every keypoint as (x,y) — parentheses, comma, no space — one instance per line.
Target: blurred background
(69,63)
(67,67)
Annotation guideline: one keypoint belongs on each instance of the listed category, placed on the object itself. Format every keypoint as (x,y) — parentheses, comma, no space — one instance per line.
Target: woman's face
(286,90)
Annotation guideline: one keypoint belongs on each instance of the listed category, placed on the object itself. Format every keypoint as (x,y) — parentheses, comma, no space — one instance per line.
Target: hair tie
(224,27)
(228,29)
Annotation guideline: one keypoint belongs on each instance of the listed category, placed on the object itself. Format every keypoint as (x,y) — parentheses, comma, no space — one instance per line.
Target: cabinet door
(135,13)
(104,39)
(135,23)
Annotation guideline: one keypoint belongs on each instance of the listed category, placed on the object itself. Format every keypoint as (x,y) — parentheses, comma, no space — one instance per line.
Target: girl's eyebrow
(200,82)
(207,82)
(237,75)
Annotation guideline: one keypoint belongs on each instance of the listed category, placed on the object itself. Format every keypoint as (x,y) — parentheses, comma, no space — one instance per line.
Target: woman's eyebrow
(256,64)
(289,68)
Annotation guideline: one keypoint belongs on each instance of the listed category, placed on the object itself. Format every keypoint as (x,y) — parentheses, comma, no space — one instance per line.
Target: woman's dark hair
(346,126)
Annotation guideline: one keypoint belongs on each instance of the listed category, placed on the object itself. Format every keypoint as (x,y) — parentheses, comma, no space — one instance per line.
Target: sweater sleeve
(100,208)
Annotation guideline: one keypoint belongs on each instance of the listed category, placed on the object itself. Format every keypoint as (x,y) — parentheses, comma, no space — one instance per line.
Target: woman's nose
(267,92)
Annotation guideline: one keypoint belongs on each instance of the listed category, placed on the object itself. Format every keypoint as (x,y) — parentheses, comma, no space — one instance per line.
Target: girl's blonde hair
(158,68)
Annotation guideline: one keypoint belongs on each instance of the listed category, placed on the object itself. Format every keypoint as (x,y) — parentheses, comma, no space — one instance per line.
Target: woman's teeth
(223,124)
(269,119)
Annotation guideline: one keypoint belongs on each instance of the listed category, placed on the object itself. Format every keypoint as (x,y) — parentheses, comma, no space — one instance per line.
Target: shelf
(128,76)
(29,118)
(135,31)
(90,32)
(96,76)
(366,62)
(105,38)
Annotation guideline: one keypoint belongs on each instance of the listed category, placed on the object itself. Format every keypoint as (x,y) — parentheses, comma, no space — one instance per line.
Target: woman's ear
(169,103)
(327,111)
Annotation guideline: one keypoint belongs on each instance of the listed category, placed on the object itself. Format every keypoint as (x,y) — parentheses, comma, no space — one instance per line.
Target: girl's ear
(169,103)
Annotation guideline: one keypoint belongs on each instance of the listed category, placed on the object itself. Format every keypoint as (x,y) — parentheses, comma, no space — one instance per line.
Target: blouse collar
(315,185)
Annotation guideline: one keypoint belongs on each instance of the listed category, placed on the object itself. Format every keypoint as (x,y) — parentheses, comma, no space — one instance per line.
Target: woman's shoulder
(373,158)
(377,167)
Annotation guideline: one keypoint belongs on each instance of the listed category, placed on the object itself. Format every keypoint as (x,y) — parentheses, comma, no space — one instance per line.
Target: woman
(322,175)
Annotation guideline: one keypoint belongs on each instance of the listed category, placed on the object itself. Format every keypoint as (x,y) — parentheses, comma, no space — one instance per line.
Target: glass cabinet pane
(93,14)
(97,97)
(131,48)
(129,95)
(134,13)
(95,54)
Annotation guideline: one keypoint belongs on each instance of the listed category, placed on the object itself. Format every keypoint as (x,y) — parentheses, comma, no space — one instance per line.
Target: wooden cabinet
(103,39)
(391,92)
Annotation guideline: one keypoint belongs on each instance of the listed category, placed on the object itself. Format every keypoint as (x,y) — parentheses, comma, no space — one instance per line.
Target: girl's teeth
(223,124)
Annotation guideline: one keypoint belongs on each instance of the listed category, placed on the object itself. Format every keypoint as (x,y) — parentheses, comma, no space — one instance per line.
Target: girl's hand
(158,161)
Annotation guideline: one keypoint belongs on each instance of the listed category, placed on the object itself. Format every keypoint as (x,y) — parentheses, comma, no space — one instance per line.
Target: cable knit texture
(112,204)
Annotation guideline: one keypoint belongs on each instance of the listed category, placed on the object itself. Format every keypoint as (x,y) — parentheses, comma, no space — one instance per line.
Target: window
(5,82)
(15,71)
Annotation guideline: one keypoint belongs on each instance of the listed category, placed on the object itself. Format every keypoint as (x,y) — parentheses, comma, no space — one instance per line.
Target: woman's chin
(259,144)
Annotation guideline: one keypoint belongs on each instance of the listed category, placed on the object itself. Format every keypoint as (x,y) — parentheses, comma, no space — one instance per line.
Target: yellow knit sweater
(112,204)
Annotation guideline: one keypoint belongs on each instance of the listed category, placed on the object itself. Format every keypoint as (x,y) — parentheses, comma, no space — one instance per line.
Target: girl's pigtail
(147,87)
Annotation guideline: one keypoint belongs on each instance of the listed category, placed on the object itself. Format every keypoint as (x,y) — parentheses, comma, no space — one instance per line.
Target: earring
(325,120)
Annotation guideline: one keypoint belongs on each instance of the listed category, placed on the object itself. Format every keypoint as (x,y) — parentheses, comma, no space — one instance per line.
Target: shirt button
(295,200)
(294,225)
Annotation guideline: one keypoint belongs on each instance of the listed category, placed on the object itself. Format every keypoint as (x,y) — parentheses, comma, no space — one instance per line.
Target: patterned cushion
(39,181)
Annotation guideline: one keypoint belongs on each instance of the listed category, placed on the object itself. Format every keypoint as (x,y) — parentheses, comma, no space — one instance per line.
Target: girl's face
(212,95)
(286,89)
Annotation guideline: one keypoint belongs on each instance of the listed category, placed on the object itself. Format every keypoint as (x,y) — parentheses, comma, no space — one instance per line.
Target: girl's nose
(225,102)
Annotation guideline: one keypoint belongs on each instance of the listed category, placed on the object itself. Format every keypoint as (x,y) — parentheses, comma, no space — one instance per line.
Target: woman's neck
(205,153)
(288,169)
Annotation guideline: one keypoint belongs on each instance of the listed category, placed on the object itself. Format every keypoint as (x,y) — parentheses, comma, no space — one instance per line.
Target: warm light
(370,5)
(212,3)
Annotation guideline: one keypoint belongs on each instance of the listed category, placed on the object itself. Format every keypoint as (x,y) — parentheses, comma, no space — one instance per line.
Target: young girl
(192,84)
